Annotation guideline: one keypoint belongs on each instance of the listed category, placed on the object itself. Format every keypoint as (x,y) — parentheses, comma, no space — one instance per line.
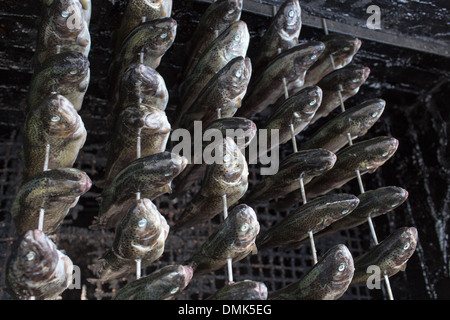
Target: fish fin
(402,267)
(254,249)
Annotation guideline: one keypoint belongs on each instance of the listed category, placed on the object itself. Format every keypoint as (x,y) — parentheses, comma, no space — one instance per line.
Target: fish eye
(55,118)
(73,72)
(163,35)
(313,57)
(313,102)
(238,73)
(226,158)
(244,227)
(406,246)
(341,267)
(291,13)
(237,37)
(345,211)
(384,154)
(142,222)
(231,11)
(174,290)
(65,14)
(374,114)
(346,49)
(30,256)
(355,80)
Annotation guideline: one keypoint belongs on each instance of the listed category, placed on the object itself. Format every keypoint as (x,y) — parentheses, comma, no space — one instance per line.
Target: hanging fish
(151,176)
(67,74)
(162,284)
(281,35)
(302,164)
(291,66)
(242,290)
(62,28)
(36,269)
(217,17)
(390,255)
(141,234)
(233,239)
(226,176)
(56,191)
(356,121)
(312,216)
(148,123)
(328,279)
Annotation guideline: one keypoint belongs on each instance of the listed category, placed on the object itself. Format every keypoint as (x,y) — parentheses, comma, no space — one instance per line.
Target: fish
(139,84)
(56,191)
(146,44)
(67,74)
(36,269)
(372,203)
(356,121)
(216,18)
(233,239)
(223,92)
(141,234)
(151,176)
(226,176)
(342,48)
(390,255)
(290,65)
(242,130)
(141,124)
(55,123)
(231,43)
(297,110)
(163,284)
(281,35)
(242,290)
(350,78)
(328,279)
(62,28)
(310,217)
(304,164)
(134,13)
(366,156)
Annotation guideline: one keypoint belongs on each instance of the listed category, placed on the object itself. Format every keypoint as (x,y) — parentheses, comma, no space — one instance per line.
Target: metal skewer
(229,260)
(42,209)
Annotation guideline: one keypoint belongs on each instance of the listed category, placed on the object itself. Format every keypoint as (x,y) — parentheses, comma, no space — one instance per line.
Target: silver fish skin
(135,11)
(149,124)
(146,44)
(139,84)
(54,122)
(281,35)
(62,28)
(67,74)
(141,234)
(328,279)
(231,43)
(151,176)
(224,91)
(36,269)
(312,216)
(228,177)
(390,255)
(242,130)
(372,203)
(56,191)
(242,290)
(162,284)
(291,66)
(234,238)
(297,110)
(217,17)
(342,47)
(306,164)
(350,78)
(356,120)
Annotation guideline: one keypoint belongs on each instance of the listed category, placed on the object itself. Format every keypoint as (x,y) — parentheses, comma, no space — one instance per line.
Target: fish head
(309,100)
(242,130)
(290,20)
(72,181)
(342,205)
(342,47)
(353,77)
(341,268)
(245,225)
(73,69)
(142,79)
(389,198)
(234,166)
(314,161)
(173,167)
(306,55)
(165,30)
(146,119)
(177,277)
(381,150)
(233,11)
(405,244)
(235,39)
(35,257)
(365,116)
(68,18)
(238,77)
